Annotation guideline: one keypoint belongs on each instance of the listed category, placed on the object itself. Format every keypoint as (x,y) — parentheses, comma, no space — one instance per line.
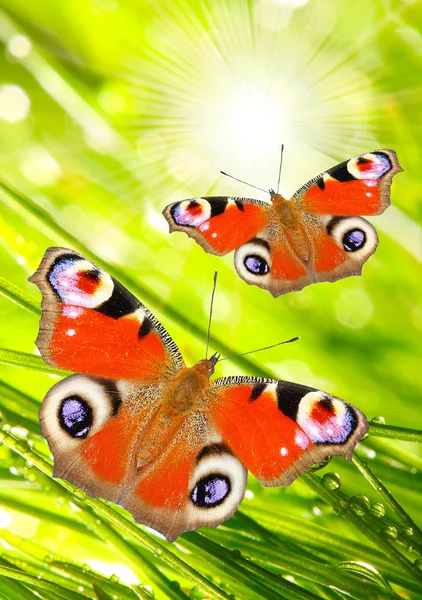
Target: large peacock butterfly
(141,429)
(315,236)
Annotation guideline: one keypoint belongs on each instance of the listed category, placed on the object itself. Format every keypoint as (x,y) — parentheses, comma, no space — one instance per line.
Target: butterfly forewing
(359,186)
(92,324)
(220,224)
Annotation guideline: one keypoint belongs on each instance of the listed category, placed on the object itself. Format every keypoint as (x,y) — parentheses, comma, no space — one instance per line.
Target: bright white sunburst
(229,86)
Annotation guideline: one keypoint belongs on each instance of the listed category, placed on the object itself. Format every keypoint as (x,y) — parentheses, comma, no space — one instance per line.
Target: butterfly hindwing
(219,224)
(114,440)
(196,482)
(92,427)
(92,324)
(341,246)
(279,429)
(270,262)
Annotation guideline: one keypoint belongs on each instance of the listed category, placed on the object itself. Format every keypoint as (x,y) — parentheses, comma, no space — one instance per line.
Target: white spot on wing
(301,440)
(72,311)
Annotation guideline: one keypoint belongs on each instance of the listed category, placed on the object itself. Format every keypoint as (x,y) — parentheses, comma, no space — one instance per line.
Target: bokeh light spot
(14,103)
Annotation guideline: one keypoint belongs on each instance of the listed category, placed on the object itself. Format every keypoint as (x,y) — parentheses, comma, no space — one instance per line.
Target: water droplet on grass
(366,571)
(389,533)
(197,594)
(378,510)
(114,578)
(79,496)
(236,554)
(360,505)
(332,481)
(48,559)
(378,420)
(320,465)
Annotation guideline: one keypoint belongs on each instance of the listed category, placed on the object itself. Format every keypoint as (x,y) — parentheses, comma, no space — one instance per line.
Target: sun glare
(229,100)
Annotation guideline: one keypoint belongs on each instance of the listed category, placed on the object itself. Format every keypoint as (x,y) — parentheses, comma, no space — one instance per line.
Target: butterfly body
(315,236)
(166,441)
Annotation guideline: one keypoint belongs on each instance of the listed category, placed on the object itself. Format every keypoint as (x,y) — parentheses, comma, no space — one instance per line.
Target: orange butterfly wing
(118,441)
(218,224)
(359,186)
(279,429)
(92,324)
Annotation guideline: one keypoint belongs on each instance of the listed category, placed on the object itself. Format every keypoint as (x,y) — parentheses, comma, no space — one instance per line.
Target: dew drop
(81,588)
(366,571)
(19,432)
(236,554)
(360,505)
(320,465)
(409,549)
(409,532)
(48,559)
(175,585)
(79,496)
(378,420)
(389,533)
(86,568)
(197,594)
(114,578)
(331,481)
(378,510)
(158,552)
(21,446)
(340,509)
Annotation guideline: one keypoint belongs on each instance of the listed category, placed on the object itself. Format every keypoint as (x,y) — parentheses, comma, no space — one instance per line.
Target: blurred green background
(110,110)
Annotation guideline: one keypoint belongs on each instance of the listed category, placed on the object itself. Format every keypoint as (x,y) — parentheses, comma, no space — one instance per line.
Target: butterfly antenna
(209,321)
(279,170)
(260,349)
(241,181)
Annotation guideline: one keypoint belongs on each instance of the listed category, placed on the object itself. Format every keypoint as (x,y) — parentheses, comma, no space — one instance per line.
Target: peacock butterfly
(315,236)
(139,428)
